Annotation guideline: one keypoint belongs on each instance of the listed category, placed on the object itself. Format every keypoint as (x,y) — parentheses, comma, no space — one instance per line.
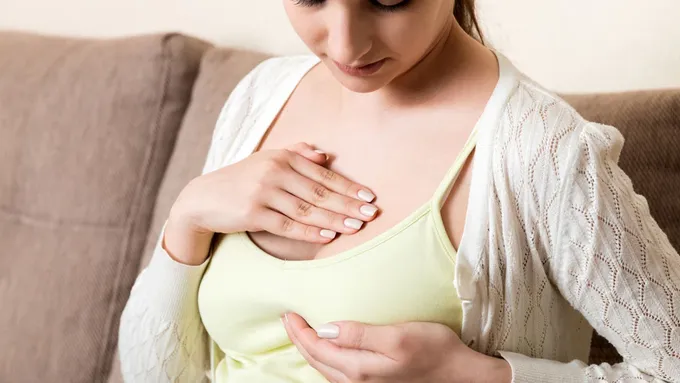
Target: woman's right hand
(286,192)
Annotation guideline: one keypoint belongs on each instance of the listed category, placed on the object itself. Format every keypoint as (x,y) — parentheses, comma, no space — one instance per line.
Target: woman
(466,225)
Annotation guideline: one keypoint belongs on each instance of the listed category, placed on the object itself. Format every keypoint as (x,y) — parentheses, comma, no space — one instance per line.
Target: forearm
(161,334)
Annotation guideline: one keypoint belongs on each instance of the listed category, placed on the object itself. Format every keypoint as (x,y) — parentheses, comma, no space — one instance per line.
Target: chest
(402,158)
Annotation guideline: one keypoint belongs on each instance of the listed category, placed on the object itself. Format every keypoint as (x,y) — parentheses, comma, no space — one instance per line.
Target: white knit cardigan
(555,241)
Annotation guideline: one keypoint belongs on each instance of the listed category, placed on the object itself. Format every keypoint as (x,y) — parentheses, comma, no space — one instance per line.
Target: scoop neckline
(489,114)
(344,255)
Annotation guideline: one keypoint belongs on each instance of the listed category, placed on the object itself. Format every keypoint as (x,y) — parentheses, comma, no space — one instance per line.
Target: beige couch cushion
(86,130)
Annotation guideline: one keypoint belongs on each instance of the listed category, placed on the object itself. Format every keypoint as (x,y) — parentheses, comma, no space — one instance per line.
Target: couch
(98,137)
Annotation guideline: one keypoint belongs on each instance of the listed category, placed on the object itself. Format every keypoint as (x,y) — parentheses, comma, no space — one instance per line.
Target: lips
(361,71)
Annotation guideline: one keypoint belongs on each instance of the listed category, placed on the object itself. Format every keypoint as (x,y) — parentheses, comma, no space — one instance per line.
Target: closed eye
(378,4)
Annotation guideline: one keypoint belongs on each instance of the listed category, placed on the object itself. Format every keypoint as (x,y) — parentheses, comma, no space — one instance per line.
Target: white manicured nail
(328,331)
(353,223)
(328,233)
(322,152)
(366,195)
(368,210)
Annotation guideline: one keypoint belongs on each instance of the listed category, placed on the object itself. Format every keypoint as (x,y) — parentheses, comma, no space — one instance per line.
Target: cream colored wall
(568,45)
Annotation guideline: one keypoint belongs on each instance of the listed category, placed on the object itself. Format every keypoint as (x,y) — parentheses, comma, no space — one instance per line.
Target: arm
(162,338)
(161,334)
(613,263)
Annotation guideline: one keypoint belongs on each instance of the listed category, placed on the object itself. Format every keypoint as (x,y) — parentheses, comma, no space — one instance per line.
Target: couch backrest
(86,131)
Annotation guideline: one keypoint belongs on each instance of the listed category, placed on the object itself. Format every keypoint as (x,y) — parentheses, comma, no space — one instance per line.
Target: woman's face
(368,43)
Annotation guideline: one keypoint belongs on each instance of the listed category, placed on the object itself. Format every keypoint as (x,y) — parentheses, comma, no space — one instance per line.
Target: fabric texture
(560,243)
(86,129)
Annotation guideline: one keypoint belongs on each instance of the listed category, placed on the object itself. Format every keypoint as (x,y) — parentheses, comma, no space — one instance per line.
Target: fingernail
(328,331)
(322,152)
(328,233)
(285,317)
(353,223)
(366,195)
(368,210)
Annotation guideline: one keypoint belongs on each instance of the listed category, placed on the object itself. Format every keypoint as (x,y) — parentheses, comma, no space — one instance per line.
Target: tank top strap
(452,174)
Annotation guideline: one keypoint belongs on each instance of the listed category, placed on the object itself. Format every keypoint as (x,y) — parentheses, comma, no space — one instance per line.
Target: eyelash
(375,3)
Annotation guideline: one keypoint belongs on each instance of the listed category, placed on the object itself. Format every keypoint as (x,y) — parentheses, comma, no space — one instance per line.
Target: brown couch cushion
(86,130)
(650,123)
(221,69)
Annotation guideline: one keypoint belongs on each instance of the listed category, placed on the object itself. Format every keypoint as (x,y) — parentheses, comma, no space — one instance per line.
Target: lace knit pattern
(557,241)
(569,245)
(163,339)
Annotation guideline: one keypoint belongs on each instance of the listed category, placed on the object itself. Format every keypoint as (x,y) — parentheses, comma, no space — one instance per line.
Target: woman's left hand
(345,352)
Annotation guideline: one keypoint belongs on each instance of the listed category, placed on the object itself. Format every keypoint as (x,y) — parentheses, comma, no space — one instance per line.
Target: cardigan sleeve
(613,263)
(161,335)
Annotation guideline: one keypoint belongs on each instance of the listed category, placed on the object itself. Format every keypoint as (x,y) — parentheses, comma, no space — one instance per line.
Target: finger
(281,225)
(348,361)
(327,371)
(317,156)
(384,340)
(318,195)
(331,179)
(308,214)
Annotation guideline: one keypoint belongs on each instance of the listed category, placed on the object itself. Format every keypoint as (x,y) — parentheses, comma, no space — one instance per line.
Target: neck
(455,60)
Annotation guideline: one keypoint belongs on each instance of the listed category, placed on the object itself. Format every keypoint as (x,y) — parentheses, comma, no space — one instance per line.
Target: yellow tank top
(404,274)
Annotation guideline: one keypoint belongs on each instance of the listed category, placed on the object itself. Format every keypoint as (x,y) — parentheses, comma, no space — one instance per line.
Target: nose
(349,38)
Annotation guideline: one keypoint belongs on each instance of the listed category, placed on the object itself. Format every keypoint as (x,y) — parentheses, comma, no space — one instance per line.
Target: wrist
(482,368)
(500,370)
(183,213)
(185,244)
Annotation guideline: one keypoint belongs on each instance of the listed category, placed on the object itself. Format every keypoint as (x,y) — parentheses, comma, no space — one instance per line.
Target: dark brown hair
(464,12)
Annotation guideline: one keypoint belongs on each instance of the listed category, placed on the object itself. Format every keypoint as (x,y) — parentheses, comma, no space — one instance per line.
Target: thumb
(307,151)
(360,336)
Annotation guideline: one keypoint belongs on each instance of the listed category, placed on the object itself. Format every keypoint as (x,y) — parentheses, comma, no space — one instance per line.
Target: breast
(399,278)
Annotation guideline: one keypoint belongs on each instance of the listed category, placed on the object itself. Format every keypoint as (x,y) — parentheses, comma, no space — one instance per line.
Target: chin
(360,85)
